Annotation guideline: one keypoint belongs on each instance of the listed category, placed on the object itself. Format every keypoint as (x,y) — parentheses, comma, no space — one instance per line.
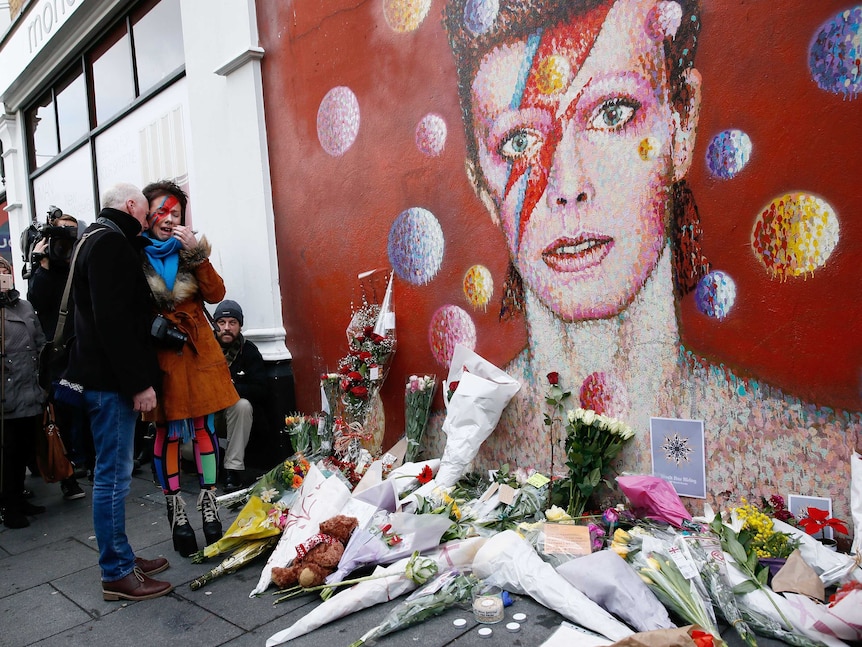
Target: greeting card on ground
(678,456)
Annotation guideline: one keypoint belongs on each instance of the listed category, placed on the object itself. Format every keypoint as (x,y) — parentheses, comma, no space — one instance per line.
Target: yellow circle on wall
(795,234)
(552,74)
(405,15)
(478,286)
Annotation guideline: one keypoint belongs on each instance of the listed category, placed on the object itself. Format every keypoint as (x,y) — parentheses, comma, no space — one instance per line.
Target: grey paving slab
(169,620)
(38,612)
(44,564)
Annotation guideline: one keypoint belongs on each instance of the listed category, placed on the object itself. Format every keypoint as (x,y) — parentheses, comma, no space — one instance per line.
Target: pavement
(51,594)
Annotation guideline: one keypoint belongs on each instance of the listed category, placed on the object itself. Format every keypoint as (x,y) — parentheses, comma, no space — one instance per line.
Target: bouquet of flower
(303,434)
(448,589)
(592,442)
(417,403)
(766,542)
(265,513)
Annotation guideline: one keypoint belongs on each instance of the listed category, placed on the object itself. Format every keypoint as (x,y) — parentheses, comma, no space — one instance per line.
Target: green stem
(298,590)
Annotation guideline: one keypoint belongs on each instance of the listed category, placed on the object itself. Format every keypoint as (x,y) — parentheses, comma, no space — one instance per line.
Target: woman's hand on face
(186,236)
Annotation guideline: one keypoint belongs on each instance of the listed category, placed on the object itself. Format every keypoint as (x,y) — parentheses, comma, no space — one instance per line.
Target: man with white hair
(113,364)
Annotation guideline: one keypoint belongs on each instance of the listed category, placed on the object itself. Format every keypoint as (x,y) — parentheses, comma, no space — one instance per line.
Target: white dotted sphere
(338,120)
(715,294)
(431,135)
(415,246)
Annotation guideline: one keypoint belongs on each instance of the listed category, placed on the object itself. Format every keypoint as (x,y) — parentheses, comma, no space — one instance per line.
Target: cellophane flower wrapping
(265,511)
(508,561)
(370,349)
(592,442)
(319,498)
(607,580)
(391,584)
(665,564)
(388,538)
(832,567)
(446,590)
(473,410)
(654,498)
(418,394)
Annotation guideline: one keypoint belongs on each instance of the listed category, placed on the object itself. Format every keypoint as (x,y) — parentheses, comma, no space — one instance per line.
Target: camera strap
(60,330)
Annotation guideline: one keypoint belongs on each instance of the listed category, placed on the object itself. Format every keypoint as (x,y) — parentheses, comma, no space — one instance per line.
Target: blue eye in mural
(728,153)
(338,120)
(715,294)
(450,326)
(835,53)
(415,246)
(480,15)
(431,135)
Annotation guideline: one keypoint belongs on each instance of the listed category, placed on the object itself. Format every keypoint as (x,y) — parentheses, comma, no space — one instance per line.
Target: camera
(167,334)
(61,242)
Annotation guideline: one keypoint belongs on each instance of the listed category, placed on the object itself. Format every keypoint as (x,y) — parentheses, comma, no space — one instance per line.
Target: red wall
(333,214)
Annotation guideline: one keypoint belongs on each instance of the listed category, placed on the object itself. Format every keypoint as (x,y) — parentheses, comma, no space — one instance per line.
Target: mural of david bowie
(581,118)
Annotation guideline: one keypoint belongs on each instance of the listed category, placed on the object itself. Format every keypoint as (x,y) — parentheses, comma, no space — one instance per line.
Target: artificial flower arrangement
(817,521)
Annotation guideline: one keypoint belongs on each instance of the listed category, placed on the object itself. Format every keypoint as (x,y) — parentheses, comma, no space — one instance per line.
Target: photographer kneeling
(197,381)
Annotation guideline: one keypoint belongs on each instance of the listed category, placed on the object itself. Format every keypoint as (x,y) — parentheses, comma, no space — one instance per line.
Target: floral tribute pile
(634,566)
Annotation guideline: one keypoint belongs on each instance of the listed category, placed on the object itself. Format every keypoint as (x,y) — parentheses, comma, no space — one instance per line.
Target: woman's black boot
(181,531)
(208,506)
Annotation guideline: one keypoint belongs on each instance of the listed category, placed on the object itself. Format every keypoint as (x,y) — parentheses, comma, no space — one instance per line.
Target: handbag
(51,453)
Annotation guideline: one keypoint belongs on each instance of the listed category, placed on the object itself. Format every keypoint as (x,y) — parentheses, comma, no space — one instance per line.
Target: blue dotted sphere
(728,153)
(416,246)
(480,15)
(715,294)
(834,56)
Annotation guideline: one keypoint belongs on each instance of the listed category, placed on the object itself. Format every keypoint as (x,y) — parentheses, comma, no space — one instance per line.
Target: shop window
(42,122)
(72,116)
(113,76)
(158,36)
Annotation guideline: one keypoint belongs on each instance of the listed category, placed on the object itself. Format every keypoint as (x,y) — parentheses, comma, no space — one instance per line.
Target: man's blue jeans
(112,420)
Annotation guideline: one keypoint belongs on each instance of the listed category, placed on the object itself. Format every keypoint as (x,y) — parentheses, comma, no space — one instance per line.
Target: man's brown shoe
(135,586)
(150,567)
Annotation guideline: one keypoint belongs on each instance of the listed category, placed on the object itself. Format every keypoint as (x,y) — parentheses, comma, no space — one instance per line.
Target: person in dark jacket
(248,373)
(45,292)
(113,364)
(23,399)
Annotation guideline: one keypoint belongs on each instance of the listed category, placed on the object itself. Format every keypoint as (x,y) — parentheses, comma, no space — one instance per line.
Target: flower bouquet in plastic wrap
(371,347)
(418,395)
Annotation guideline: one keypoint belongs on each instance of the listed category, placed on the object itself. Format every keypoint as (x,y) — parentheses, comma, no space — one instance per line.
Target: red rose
(356,376)
(345,384)
(368,330)
(453,386)
(365,356)
(377,338)
(553,378)
(360,391)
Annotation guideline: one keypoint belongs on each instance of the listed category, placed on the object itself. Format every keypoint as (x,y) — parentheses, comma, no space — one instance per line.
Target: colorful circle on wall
(450,326)
(553,74)
(478,286)
(480,15)
(431,135)
(834,56)
(405,15)
(415,246)
(795,235)
(715,294)
(663,20)
(604,394)
(338,120)
(728,153)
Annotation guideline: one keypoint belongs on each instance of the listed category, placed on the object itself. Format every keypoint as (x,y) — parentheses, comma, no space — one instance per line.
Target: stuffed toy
(318,556)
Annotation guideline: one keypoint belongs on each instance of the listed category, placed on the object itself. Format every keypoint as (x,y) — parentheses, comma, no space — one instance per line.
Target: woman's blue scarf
(164,256)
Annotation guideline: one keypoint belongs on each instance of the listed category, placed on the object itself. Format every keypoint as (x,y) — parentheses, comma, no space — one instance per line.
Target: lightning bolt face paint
(560,119)
(160,209)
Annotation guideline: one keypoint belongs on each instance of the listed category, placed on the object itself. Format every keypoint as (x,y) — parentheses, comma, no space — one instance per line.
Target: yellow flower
(556,513)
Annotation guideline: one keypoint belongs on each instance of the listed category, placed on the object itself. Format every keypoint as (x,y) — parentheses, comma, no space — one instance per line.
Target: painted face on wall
(575,137)
(165,214)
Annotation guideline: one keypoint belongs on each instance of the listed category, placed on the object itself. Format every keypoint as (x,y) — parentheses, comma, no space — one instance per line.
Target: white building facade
(96,92)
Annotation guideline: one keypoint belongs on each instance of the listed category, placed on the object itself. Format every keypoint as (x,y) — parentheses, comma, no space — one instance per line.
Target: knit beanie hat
(228,308)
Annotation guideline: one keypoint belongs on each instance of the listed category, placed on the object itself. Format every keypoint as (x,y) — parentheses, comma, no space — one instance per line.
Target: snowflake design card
(678,454)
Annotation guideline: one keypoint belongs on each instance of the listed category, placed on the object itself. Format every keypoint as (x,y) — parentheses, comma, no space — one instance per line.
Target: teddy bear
(318,556)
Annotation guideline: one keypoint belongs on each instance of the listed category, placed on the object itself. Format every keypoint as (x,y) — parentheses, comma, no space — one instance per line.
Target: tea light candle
(485,632)
(488,608)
